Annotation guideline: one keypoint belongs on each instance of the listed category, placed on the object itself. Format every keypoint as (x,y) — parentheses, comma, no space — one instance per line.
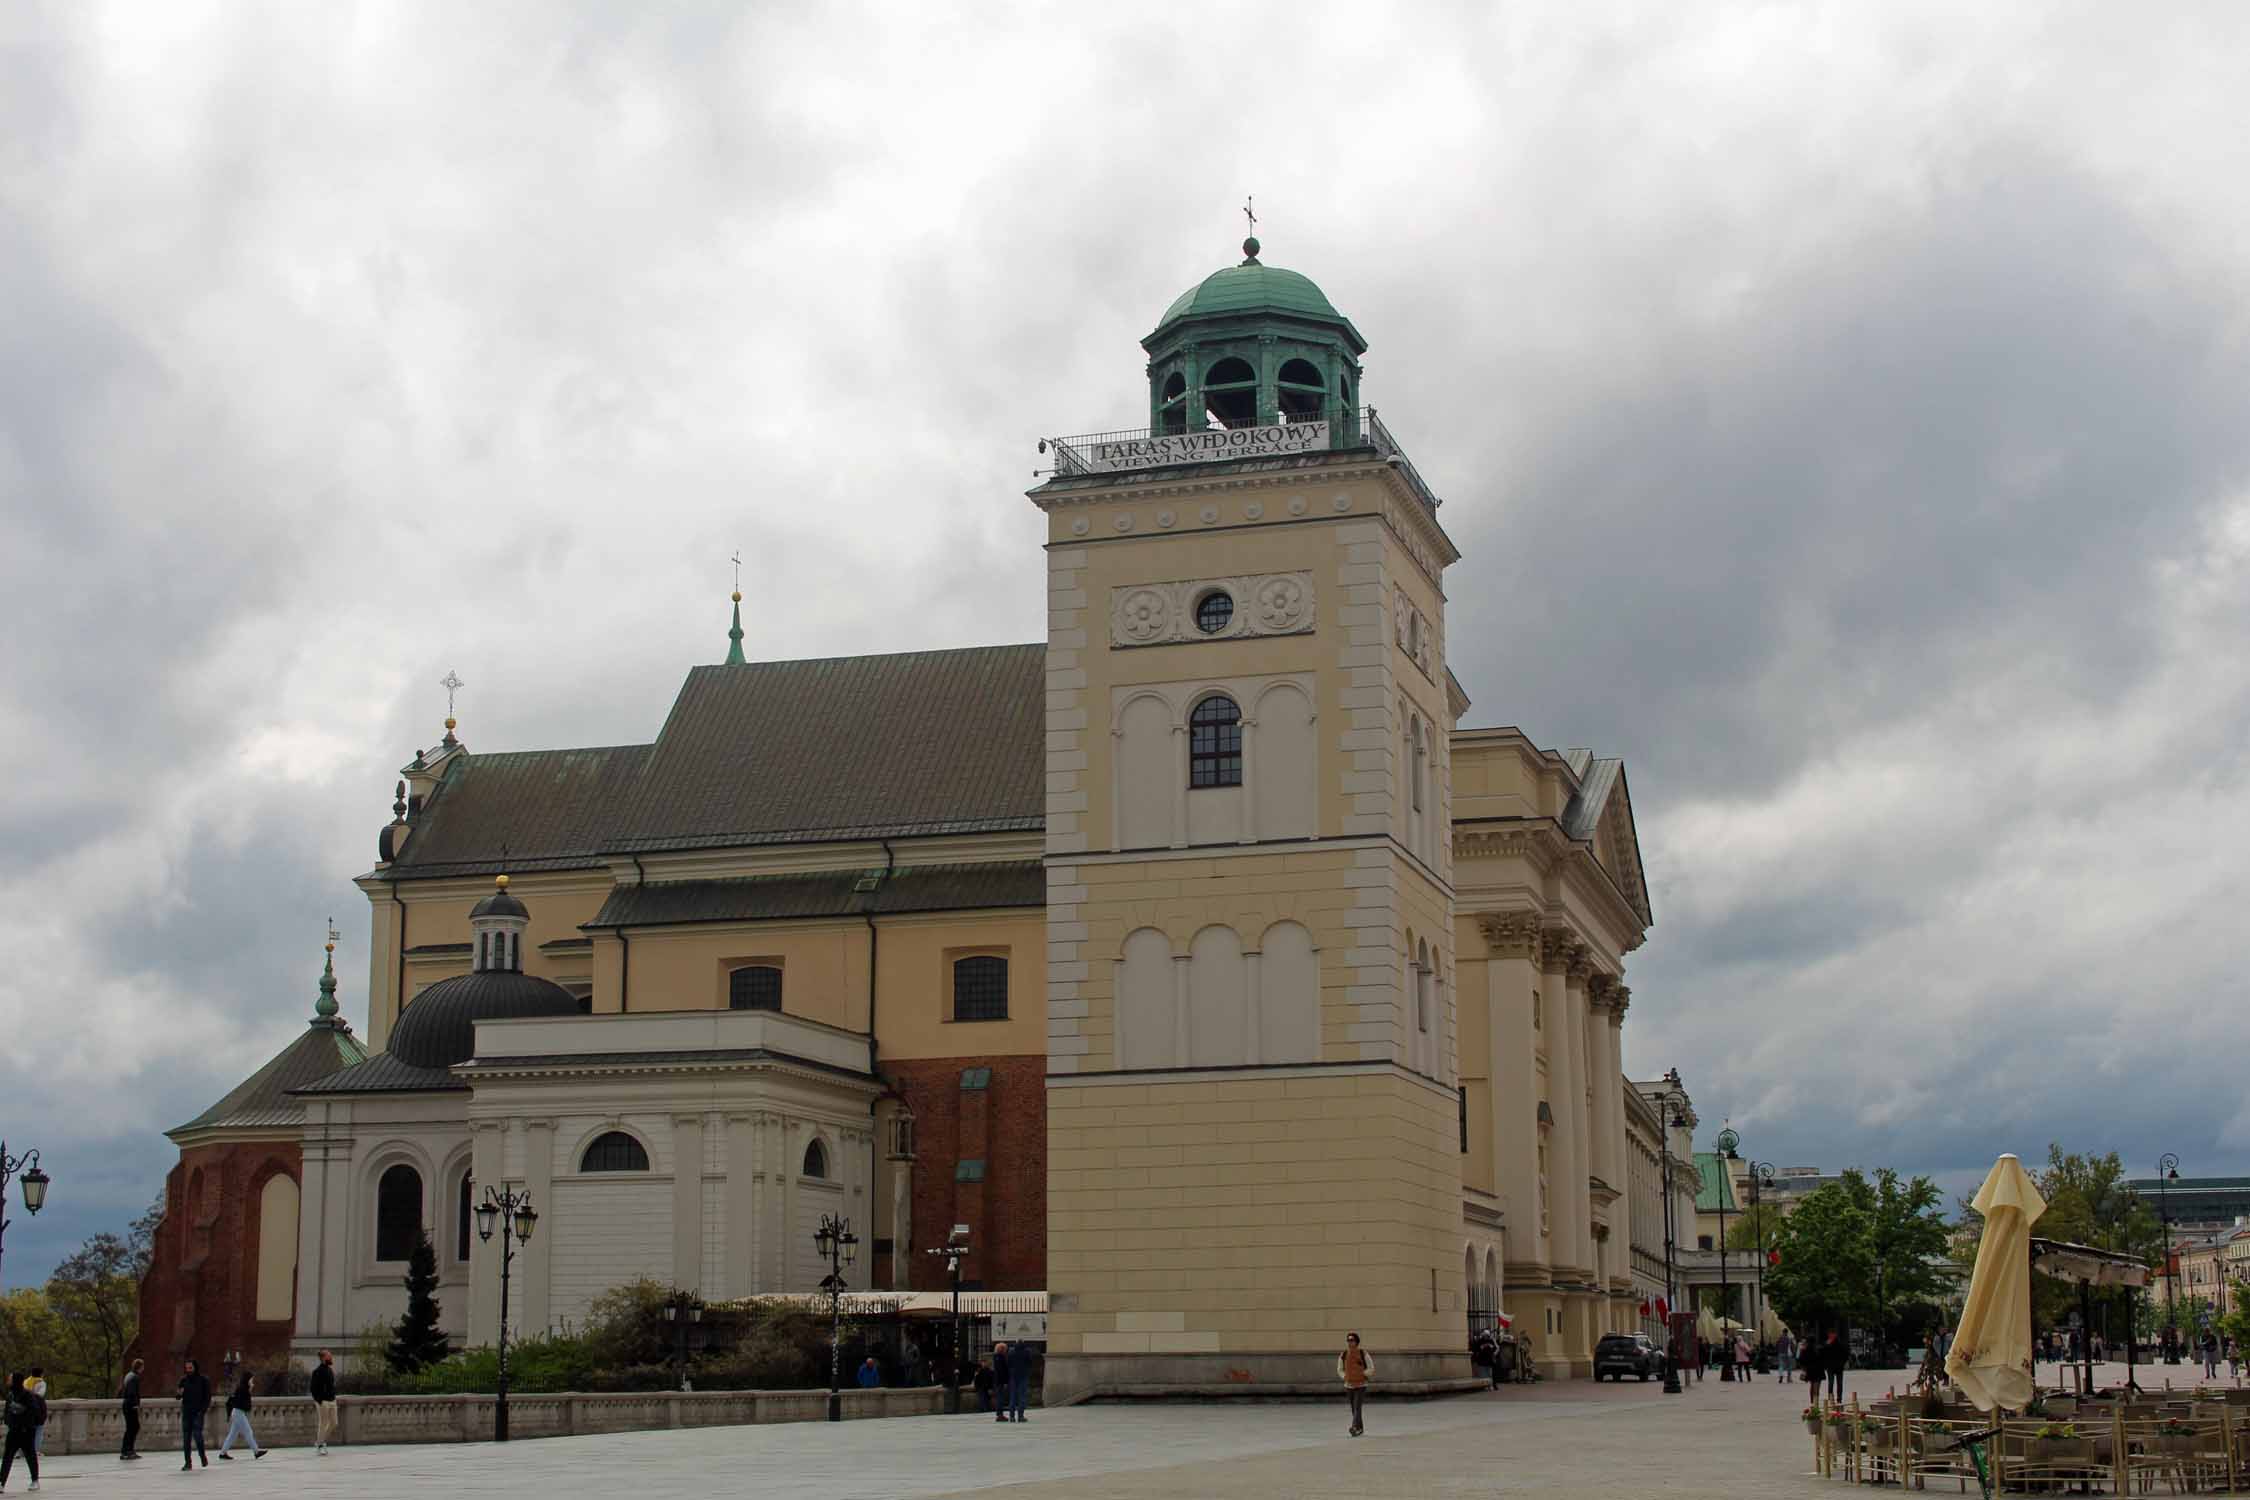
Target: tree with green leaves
(418,1341)
(1866,1252)
(95,1294)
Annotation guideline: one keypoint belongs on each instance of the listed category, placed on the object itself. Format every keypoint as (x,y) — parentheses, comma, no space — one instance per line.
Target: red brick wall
(1004,1125)
(200,1295)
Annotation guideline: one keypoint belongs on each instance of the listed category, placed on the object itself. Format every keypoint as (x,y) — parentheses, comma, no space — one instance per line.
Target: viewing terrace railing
(1132,449)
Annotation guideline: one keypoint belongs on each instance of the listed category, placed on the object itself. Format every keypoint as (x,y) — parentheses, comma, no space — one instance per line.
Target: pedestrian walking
(129,1402)
(238,1420)
(982,1381)
(1832,1355)
(37,1385)
(195,1399)
(1742,1359)
(1000,1373)
(2210,1355)
(1785,1357)
(1019,1380)
(323,1387)
(1355,1367)
(26,1410)
(870,1374)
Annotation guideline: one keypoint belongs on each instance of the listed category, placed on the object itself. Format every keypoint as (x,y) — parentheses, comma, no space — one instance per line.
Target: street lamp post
(1675,1117)
(683,1312)
(1726,1141)
(2167,1173)
(1761,1179)
(511,1211)
(955,1249)
(838,1246)
(34,1184)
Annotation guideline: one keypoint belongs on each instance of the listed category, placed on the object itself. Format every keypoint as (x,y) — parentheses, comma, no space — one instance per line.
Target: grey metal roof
(385,1074)
(438,1027)
(1583,814)
(827,893)
(325,1047)
(841,748)
(698,1057)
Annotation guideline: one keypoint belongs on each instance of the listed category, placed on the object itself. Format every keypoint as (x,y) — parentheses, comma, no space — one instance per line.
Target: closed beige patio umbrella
(1991,1355)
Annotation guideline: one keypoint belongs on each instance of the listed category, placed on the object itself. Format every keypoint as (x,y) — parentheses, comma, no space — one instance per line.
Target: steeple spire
(324,1009)
(734,633)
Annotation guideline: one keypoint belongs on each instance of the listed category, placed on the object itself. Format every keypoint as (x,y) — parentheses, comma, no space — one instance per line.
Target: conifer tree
(419,1342)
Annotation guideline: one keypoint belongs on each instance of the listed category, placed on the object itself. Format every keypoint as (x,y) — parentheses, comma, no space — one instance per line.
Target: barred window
(754,987)
(1213,611)
(614,1151)
(1215,743)
(980,989)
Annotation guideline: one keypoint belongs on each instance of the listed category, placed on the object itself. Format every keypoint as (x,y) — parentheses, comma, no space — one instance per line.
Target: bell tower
(1252,1088)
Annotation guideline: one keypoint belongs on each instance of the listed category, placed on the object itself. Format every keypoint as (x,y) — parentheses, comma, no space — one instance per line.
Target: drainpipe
(874,948)
(400,1008)
(625,950)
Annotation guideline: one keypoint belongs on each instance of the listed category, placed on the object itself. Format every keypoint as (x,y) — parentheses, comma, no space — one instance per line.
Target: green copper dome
(1251,288)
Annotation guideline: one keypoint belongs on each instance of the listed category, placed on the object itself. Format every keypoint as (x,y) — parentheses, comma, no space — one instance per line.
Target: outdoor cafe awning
(2067,1262)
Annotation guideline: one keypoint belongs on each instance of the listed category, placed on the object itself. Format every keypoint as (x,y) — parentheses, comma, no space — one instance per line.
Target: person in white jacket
(1355,1367)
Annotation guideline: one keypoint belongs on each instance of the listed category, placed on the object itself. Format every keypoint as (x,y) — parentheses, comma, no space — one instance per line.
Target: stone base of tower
(1217,1230)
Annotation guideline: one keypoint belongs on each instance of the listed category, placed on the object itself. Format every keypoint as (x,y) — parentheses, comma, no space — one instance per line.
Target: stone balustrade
(288,1421)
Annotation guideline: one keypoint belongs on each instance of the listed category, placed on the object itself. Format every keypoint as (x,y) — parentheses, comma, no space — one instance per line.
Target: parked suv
(1621,1354)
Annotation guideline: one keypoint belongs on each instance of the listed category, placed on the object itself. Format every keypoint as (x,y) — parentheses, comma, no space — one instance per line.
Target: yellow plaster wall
(1255,1214)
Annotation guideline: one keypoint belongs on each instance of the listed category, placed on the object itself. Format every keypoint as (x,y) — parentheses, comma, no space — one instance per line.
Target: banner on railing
(1201,447)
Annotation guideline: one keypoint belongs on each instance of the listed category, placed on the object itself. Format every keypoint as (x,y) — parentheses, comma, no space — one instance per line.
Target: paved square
(1561,1440)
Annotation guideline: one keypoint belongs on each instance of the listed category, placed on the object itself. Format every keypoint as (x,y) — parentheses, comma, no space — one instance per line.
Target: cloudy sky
(1840,407)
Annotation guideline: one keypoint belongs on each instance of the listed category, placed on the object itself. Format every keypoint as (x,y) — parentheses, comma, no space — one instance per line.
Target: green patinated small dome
(1251,288)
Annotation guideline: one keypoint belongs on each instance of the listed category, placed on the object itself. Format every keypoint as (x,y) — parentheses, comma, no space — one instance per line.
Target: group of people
(27,1415)
(1003,1383)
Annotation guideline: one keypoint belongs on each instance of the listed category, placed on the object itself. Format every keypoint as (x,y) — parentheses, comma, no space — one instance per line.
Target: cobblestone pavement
(1560,1439)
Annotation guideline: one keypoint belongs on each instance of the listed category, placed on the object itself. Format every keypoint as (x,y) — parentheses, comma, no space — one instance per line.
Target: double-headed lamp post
(1675,1103)
(955,1250)
(1761,1181)
(511,1211)
(34,1183)
(683,1312)
(1725,1141)
(838,1246)
(2167,1173)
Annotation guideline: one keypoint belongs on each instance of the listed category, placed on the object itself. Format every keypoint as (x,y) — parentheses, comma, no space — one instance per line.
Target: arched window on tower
(816,1159)
(1302,392)
(614,1151)
(398,1212)
(1421,763)
(1422,986)
(1230,393)
(1215,743)
(1171,409)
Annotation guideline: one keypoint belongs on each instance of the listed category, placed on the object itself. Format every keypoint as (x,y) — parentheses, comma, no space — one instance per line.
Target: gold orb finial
(500,881)
(738,596)
(451,722)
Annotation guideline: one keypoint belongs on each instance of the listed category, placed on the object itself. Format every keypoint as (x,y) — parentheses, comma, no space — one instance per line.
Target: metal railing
(1137,449)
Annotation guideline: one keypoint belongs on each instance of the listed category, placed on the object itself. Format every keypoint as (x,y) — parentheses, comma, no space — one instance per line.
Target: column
(902,1225)
(742,1196)
(1566,1083)
(1252,1009)
(1620,1145)
(785,1224)
(1601,1130)
(1511,976)
(687,1202)
(535,1261)
(1246,826)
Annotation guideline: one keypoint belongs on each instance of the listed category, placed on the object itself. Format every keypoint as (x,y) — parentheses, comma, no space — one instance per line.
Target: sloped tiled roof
(547,809)
(1717,1186)
(323,1049)
(385,1074)
(850,747)
(924,742)
(826,893)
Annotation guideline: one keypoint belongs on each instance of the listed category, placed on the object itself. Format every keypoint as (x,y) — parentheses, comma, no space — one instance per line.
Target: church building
(1195,959)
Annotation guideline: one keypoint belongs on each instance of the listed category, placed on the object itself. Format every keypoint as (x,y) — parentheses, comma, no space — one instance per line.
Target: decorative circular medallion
(1123,523)
(1254,509)
(1296,505)
(1165,518)
(1144,614)
(1078,527)
(1343,502)
(1210,515)
(1281,604)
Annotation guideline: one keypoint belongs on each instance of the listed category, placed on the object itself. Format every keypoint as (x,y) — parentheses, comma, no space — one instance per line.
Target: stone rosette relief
(1163,614)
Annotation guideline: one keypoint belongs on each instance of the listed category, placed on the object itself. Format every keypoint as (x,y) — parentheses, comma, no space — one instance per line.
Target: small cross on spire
(1249,212)
(737,561)
(1250,240)
(452,684)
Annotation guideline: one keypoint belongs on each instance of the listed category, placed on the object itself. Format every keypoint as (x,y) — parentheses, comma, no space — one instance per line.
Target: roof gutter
(874,950)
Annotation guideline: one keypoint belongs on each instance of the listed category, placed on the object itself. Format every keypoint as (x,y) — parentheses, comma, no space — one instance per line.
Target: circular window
(1213,611)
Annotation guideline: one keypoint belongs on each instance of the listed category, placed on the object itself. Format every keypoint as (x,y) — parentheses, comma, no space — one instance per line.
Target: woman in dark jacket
(238,1421)
(26,1410)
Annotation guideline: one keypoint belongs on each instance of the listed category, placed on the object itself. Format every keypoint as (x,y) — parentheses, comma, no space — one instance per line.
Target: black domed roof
(499,904)
(439,1026)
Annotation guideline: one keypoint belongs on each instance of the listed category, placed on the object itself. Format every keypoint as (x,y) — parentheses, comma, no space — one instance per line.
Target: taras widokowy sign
(1202,447)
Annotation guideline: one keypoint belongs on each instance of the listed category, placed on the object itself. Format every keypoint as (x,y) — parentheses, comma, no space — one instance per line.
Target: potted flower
(2053,1442)
(1811,1414)
(2174,1435)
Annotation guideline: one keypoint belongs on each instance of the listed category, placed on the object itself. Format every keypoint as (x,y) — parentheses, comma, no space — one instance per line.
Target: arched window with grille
(464,1210)
(816,1158)
(754,987)
(614,1151)
(1215,743)
(398,1212)
(980,988)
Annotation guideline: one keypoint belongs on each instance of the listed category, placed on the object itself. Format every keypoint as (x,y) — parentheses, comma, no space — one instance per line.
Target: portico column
(1620,1146)
(535,1260)
(1566,1085)
(742,1195)
(687,1202)
(1511,978)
